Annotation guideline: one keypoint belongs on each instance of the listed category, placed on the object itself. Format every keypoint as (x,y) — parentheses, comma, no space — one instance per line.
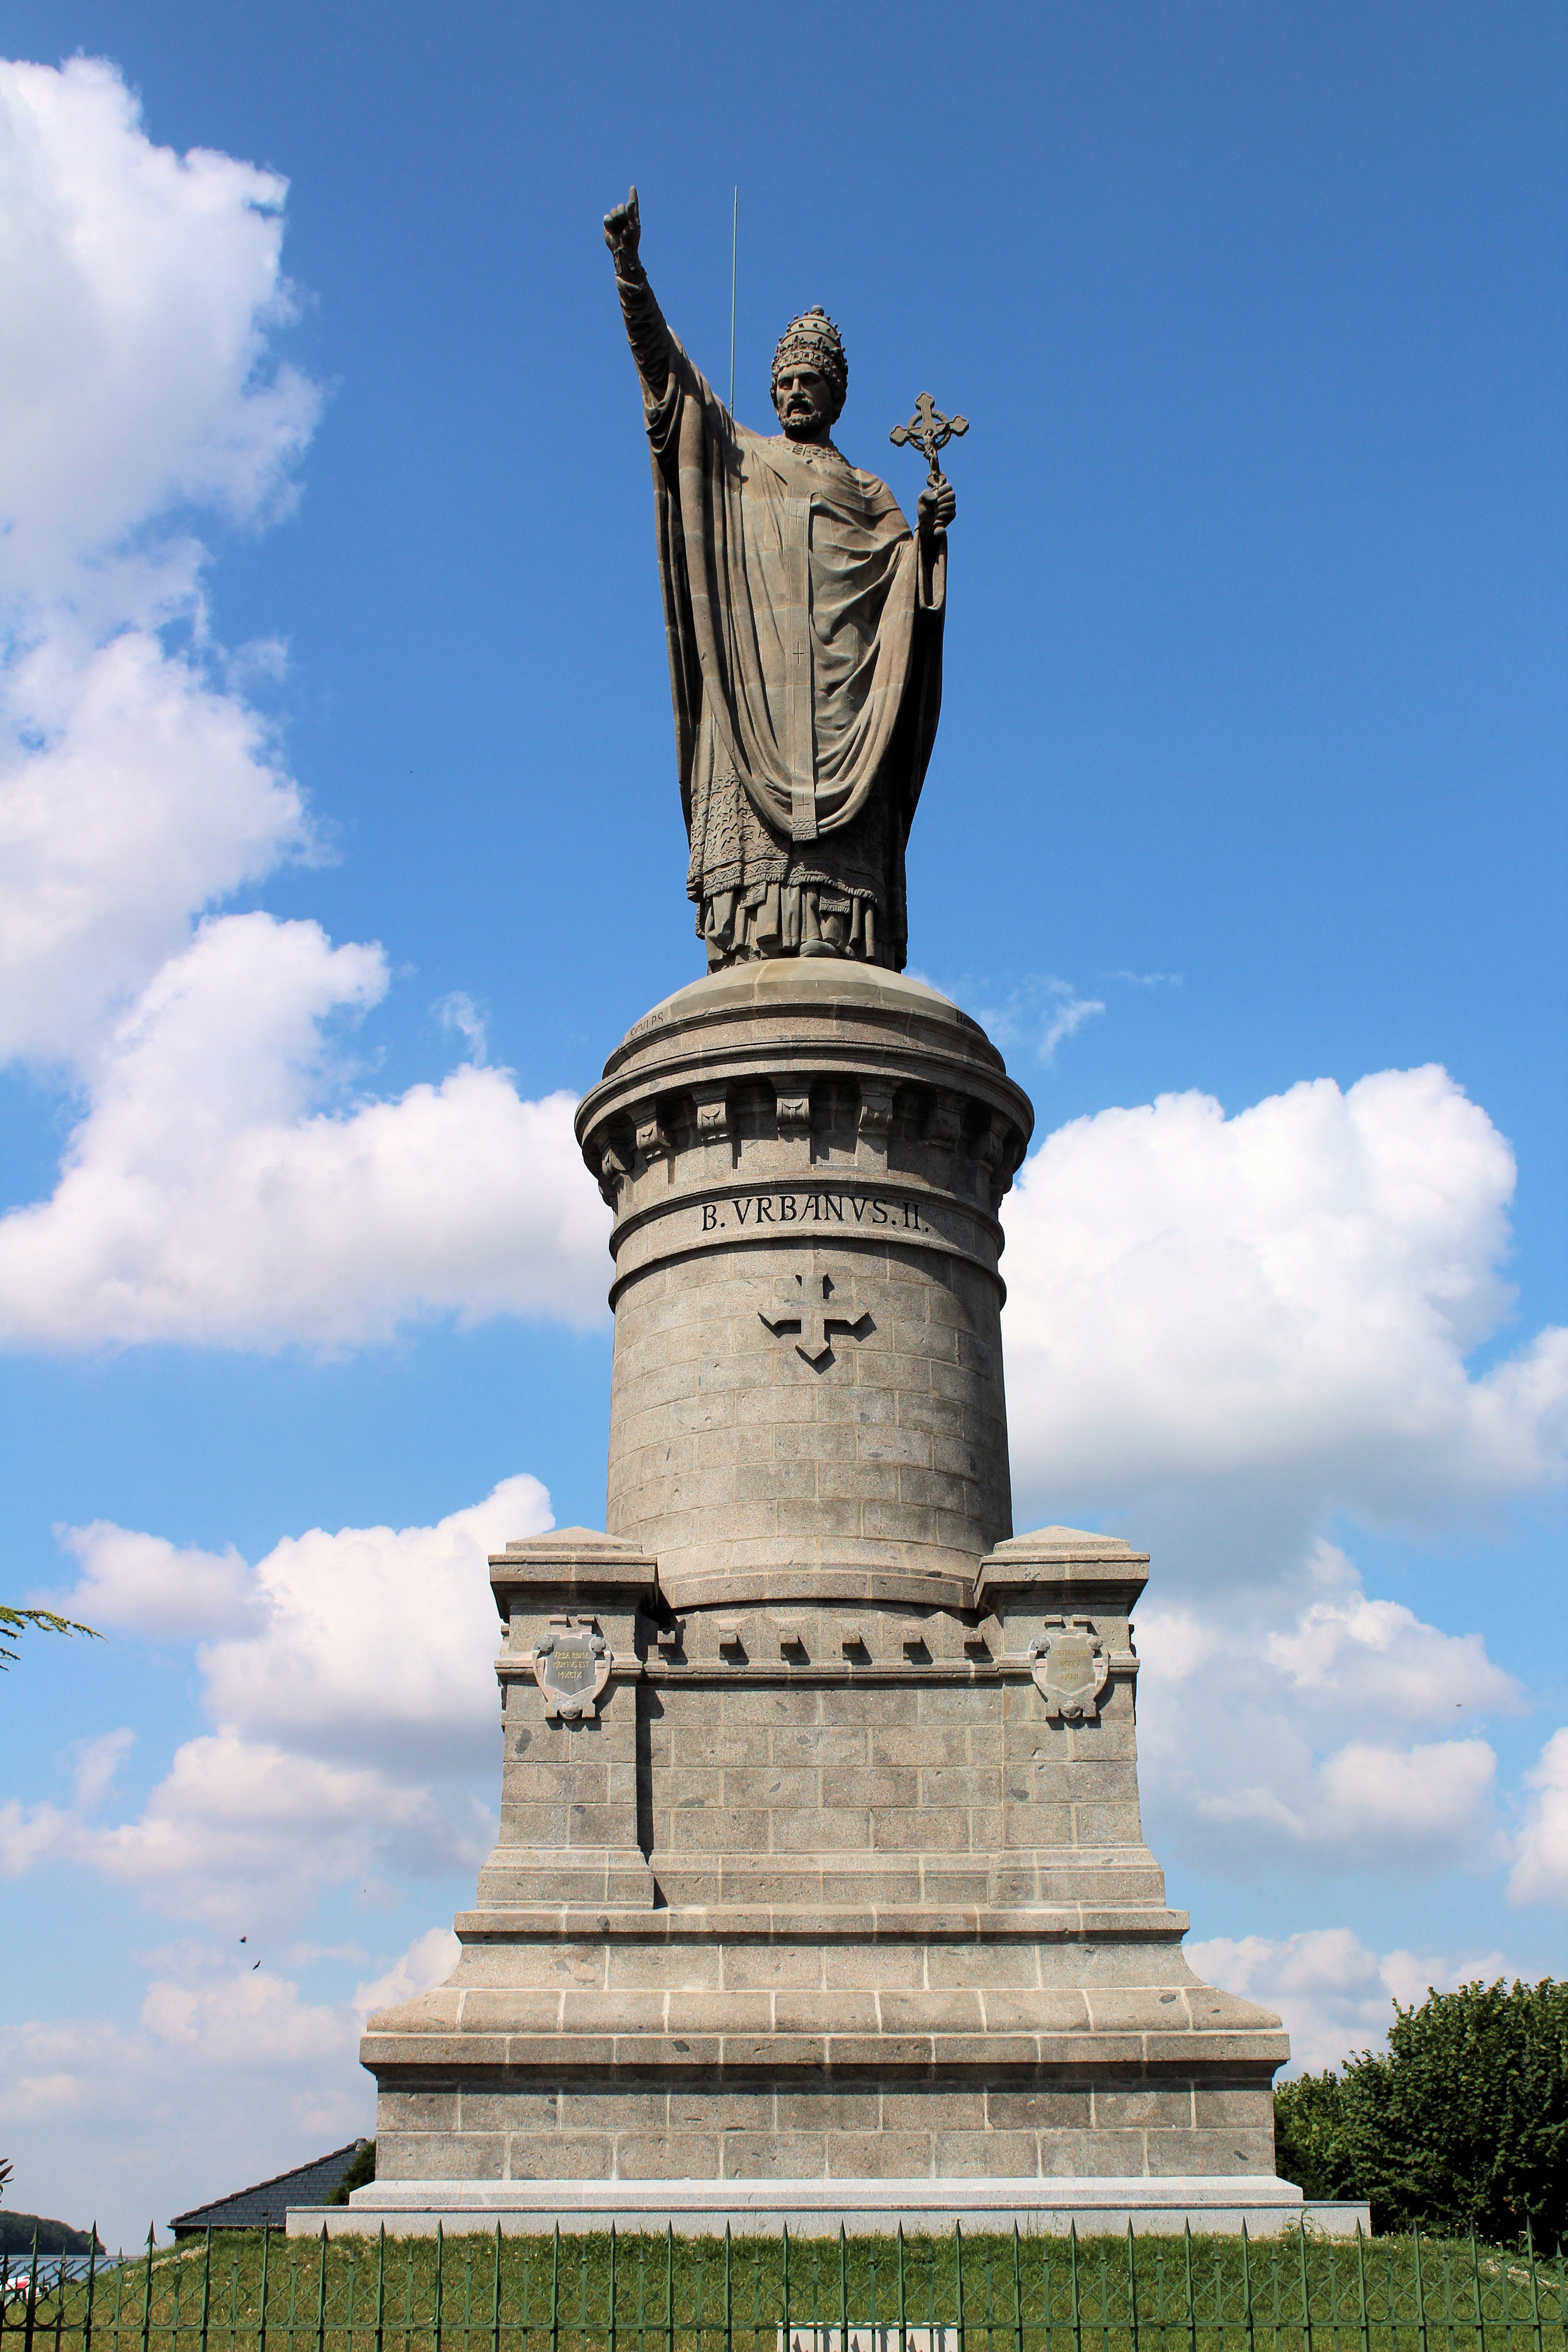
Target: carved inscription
(847,1209)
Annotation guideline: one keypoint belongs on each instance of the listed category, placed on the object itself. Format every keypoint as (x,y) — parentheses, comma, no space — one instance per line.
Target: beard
(801,418)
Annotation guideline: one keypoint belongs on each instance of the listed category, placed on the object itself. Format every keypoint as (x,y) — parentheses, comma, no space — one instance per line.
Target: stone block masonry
(820,1855)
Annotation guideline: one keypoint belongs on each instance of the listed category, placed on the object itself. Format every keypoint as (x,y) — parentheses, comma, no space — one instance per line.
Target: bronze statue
(804,622)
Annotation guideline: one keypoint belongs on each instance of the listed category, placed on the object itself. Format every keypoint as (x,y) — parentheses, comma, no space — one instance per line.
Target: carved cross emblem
(814,1304)
(929,431)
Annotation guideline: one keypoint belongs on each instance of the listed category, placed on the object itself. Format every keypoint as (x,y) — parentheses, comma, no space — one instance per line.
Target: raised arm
(646,331)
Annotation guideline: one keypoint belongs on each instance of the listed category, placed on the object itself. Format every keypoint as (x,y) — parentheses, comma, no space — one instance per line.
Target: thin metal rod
(91,2282)
(146,2290)
(1307,2292)
(734,257)
(1246,2283)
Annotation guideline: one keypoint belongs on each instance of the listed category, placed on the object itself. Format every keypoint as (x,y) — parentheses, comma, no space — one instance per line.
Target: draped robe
(804,625)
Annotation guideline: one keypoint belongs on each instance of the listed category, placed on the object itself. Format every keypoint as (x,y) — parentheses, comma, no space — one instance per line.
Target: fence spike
(146,2290)
(1246,2289)
(261,2317)
(1072,2257)
(1018,2293)
(321,2295)
(903,2330)
(206,2284)
(1307,2292)
(91,2279)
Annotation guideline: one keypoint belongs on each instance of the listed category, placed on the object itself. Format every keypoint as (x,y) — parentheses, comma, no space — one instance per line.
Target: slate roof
(269,2200)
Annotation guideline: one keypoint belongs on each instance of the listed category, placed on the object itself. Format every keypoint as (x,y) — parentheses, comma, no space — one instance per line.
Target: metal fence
(261,2292)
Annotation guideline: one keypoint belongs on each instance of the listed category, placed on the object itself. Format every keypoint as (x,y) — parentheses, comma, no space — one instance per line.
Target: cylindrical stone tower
(805,1158)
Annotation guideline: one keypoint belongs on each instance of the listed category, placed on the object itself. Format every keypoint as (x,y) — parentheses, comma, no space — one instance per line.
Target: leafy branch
(13,1624)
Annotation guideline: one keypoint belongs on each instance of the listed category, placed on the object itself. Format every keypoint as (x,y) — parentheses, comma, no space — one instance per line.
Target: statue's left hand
(937,507)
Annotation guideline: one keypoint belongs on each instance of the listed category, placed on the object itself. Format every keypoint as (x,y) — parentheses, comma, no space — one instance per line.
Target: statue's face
(804,399)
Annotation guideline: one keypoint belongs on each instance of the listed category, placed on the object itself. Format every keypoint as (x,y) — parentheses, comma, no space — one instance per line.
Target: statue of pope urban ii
(803,623)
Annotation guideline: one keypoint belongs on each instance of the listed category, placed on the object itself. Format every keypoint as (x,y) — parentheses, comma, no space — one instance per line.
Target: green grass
(1043,2296)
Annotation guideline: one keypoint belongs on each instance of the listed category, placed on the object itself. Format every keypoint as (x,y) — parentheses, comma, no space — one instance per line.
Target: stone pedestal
(820,1857)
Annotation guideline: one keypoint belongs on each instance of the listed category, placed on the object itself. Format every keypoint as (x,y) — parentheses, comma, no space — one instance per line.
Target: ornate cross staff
(929,431)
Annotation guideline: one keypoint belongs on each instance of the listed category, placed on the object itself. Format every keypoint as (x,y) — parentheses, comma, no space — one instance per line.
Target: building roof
(269,2201)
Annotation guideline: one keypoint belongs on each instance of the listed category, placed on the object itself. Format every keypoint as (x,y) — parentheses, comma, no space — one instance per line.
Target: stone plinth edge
(1212,2204)
(1070,1565)
(575,1563)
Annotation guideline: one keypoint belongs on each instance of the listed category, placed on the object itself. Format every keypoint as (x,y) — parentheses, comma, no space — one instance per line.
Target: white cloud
(138,289)
(145,1585)
(221,1186)
(1334,1995)
(138,293)
(1037,1014)
(1279,1307)
(146,2111)
(132,790)
(456,1011)
(1350,1653)
(1540,1873)
(98,1763)
(1270,1724)
(429,1960)
(1368,1803)
(208,1197)
(340,1743)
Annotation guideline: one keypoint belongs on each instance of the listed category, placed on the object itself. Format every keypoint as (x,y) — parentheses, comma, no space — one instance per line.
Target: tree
(1461,2123)
(13,1624)
(361,2172)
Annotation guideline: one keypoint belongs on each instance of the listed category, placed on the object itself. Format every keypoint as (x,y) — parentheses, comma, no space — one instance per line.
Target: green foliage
(360,2174)
(13,1624)
(1308,2117)
(54,2237)
(1461,2125)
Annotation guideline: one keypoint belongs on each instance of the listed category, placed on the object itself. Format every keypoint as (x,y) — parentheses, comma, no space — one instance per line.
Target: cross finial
(929,431)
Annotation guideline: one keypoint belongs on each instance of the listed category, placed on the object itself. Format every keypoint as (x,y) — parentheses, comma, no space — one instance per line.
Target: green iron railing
(261,2292)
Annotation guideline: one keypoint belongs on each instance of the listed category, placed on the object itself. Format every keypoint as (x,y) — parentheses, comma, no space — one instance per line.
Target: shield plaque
(572,1670)
(1070,1668)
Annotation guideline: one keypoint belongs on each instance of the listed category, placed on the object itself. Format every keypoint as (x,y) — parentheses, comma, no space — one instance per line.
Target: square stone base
(1208,2204)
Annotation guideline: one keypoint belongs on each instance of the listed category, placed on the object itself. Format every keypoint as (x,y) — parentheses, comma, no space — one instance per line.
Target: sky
(342,846)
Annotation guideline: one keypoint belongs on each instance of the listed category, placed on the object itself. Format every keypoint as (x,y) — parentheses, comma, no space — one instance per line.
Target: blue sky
(337,772)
